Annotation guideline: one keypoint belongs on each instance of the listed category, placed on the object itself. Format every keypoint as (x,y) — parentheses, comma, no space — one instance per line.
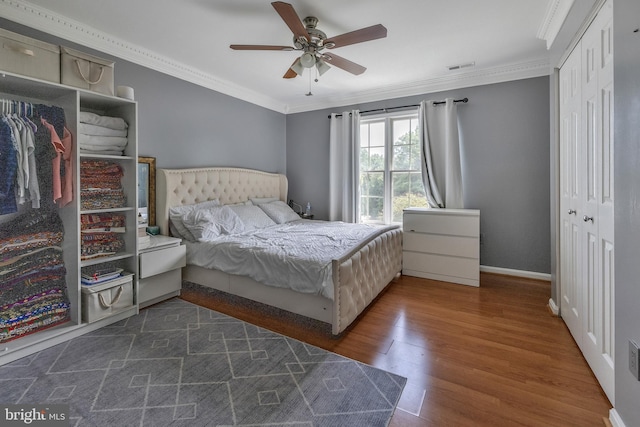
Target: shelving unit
(74,100)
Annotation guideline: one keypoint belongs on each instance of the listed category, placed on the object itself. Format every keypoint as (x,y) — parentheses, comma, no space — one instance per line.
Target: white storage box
(29,57)
(86,71)
(105,299)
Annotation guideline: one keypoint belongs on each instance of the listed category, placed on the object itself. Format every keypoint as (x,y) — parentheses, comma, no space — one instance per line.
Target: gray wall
(627,193)
(505,137)
(185,125)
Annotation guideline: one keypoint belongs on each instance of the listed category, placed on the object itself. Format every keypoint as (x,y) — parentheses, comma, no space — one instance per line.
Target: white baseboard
(517,273)
(553,306)
(615,419)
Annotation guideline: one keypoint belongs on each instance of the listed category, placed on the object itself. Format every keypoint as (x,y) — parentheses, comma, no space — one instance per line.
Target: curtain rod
(384,110)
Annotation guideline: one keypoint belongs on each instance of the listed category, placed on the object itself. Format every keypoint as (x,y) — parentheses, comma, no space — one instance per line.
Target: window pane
(416,157)
(401,157)
(401,131)
(364,135)
(372,196)
(407,191)
(376,134)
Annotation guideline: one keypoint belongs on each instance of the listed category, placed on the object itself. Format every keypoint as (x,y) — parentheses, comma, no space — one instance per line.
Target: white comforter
(296,255)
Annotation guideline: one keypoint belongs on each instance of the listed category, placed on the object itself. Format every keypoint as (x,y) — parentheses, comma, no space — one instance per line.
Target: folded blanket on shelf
(104,121)
(99,167)
(89,129)
(102,142)
(33,293)
(105,152)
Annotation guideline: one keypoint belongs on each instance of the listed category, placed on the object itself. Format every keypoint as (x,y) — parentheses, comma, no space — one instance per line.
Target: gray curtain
(344,139)
(441,170)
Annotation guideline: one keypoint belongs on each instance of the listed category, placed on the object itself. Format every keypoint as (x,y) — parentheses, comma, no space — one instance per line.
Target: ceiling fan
(312,42)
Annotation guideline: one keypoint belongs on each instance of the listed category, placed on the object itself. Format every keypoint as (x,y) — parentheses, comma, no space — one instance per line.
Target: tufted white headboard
(175,187)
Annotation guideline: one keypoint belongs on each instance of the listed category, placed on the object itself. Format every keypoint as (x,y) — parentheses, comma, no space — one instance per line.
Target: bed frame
(358,276)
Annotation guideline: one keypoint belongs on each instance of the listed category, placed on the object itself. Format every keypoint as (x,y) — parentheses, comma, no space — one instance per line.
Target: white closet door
(586,197)
(570,192)
(597,231)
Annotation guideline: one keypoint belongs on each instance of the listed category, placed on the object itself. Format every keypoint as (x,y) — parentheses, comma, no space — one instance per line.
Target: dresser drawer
(464,268)
(460,246)
(162,260)
(442,224)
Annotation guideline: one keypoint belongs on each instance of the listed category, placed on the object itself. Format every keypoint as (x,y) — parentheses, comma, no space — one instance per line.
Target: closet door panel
(571,190)
(607,275)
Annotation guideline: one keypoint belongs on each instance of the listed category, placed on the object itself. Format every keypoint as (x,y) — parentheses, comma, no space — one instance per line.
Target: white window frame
(387,118)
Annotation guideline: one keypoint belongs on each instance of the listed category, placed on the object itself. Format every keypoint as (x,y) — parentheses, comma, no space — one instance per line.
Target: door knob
(572,211)
(587,218)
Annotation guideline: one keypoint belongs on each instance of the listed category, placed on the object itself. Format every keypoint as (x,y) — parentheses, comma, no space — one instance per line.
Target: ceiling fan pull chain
(309,94)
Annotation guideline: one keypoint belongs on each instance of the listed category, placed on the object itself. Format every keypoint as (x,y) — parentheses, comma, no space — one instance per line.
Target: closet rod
(384,110)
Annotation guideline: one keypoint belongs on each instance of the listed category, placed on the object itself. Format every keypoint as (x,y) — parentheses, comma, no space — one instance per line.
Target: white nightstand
(161,263)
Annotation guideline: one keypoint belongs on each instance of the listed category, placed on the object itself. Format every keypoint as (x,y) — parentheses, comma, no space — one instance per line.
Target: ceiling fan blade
(345,64)
(290,74)
(358,36)
(291,18)
(259,47)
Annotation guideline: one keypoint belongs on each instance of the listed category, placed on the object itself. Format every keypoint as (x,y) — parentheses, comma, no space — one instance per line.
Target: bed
(358,275)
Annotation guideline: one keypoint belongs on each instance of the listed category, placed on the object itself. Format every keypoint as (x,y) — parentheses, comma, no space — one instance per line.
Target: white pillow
(261,200)
(176,213)
(207,224)
(252,216)
(279,212)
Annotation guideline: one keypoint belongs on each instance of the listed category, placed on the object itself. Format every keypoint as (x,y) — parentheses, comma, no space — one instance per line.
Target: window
(390,171)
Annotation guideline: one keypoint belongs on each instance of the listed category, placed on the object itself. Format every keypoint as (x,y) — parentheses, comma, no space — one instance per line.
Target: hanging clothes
(62,180)
(36,156)
(9,165)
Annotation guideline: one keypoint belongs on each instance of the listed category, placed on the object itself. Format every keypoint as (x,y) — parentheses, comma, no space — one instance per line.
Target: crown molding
(61,26)
(557,11)
(599,4)
(478,77)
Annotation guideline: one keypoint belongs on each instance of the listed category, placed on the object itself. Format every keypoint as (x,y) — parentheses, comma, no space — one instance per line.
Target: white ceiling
(190,39)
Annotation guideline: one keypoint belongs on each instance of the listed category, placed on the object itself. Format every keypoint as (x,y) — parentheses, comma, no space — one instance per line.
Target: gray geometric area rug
(178,364)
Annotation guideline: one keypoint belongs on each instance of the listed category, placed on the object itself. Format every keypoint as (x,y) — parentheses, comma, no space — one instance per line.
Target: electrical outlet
(634,363)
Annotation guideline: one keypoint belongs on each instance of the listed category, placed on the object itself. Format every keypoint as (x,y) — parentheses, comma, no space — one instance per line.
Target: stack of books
(102,274)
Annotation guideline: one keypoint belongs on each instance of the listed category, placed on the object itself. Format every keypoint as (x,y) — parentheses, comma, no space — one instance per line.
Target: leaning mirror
(147,190)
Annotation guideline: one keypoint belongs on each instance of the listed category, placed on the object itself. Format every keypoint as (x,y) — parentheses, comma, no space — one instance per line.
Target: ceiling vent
(461,66)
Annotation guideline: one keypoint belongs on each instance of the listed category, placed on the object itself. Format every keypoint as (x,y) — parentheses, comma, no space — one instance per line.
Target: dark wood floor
(488,356)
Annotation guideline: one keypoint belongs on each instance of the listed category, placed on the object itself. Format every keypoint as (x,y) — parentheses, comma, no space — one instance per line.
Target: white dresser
(161,263)
(442,244)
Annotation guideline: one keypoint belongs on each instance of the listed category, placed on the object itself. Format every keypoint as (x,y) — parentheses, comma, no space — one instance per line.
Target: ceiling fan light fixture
(322,66)
(308,60)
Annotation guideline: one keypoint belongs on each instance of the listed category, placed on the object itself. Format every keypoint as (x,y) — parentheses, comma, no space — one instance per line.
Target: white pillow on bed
(261,200)
(207,224)
(176,213)
(279,212)
(252,216)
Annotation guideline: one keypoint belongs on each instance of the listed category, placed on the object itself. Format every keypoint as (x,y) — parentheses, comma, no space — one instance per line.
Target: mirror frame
(151,190)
